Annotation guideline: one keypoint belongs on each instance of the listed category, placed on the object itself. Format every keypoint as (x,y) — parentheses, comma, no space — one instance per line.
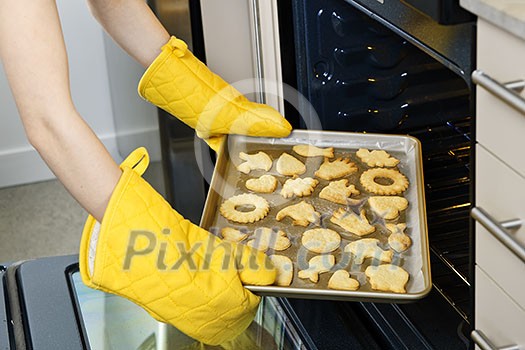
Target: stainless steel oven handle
(256,20)
(508,92)
(499,230)
(484,343)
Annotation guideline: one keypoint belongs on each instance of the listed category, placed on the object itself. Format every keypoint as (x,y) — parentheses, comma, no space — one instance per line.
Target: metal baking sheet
(227,181)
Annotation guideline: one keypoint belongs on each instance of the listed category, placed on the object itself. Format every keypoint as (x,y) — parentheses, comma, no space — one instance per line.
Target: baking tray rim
(330,294)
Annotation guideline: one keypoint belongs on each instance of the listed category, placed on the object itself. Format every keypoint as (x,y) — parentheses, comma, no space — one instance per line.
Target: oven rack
(453,289)
(361,75)
(446,152)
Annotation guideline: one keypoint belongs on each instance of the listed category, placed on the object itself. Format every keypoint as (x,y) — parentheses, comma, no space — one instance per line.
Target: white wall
(135,120)
(91,88)
(242,42)
(229,39)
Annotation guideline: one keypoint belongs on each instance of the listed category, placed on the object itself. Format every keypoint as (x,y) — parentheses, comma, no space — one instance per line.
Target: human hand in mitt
(180,273)
(183,86)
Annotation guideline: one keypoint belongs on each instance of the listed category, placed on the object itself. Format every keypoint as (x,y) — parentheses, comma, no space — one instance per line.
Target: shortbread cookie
(398,240)
(341,280)
(368,248)
(233,235)
(376,158)
(313,151)
(289,165)
(265,238)
(298,187)
(284,267)
(387,278)
(399,182)
(336,169)
(396,228)
(259,161)
(230,208)
(387,207)
(317,265)
(338,191)
(264,184)
(321,240)
(301,213)
(357,225)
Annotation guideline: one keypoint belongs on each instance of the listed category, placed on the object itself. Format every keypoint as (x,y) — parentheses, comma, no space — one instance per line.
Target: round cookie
(229,209)
(321,240)
(399,181)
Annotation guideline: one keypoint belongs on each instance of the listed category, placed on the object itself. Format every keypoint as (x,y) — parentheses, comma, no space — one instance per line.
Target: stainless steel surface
(502,91)
(484,343)
(499,232)
(448,44)
(256,25)
(512,224)
(516,86)
(227,181)
(175,16)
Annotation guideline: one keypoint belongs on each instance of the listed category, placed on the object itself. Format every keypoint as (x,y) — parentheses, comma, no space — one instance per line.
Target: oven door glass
(112,322)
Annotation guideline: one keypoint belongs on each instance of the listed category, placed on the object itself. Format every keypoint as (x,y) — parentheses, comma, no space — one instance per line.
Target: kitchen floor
(42,219)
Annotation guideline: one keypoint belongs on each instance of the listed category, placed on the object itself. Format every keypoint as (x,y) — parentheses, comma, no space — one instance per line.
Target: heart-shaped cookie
(388,207)
(264,184)
(341,280)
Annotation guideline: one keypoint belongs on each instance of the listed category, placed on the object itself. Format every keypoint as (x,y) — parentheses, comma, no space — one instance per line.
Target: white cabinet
(500,319)
(500,127)
(503,201)
(500,188)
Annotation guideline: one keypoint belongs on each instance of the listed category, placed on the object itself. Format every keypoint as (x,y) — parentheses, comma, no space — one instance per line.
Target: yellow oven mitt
(181,274)
(184,86)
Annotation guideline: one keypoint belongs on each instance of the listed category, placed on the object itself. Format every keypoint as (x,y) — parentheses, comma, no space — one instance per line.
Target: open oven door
(46,306)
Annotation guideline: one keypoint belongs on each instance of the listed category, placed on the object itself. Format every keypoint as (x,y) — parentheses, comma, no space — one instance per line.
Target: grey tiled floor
(37,220)
(42,219)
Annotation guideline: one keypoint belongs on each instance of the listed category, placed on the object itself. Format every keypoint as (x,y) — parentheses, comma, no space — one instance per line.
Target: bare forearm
(34,57)
(80,161)
(132,24)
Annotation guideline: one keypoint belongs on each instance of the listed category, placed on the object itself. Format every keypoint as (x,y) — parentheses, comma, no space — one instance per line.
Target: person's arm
(33,53)
(133,25)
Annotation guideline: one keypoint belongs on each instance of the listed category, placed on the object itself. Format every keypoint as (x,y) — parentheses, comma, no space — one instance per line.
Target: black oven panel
(361,76)
(367,69)
(5,332)
(442,11)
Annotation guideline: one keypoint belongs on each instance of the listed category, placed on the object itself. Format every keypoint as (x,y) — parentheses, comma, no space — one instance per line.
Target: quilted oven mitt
(181,274)
(183,86)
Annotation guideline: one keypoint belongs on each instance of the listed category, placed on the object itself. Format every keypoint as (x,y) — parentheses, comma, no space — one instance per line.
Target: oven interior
(362,75)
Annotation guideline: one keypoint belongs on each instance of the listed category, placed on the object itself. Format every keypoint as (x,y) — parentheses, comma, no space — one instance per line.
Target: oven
(392,67)
(382,66)
(385,66)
